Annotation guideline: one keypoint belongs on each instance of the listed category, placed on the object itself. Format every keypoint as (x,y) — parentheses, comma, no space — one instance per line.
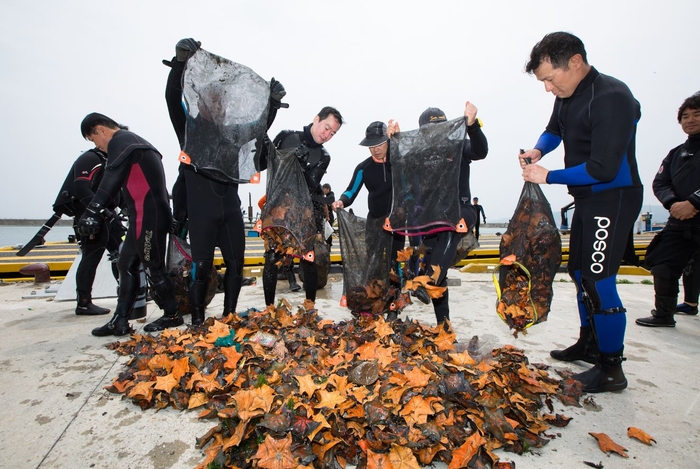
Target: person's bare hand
(535,155)
(392,128)
(683,210)
(535,173)
(470,112)
(337,204)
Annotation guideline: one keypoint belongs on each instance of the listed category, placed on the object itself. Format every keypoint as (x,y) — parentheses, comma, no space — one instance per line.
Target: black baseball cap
(375,134)
(431,116)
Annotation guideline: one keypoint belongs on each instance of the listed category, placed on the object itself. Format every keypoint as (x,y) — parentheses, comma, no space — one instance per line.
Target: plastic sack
(364,247)
(227,106)
(179,267)
(322,259)
(425,165)
(287,223)
(530,252)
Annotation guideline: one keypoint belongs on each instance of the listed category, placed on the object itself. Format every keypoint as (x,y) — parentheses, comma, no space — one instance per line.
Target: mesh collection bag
(364,246)
(226,104)
(179,266)
(530,254)
(287,224)
(425,166)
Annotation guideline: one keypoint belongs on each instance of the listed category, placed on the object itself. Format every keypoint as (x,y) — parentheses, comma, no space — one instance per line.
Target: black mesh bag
(364,247)
(227,106)
(425,166)
(530,254)
(287,223)
(179,266)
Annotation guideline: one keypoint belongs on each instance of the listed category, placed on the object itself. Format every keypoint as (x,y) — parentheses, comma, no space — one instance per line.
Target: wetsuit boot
(606,375)
(162,290)
(118,325)
(198,291)
(233,281)
(585,349)
(86,307)
(291,278)
(442,307)
(662,316)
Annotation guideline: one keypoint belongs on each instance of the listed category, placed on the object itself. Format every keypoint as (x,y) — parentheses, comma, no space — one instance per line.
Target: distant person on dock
(133,168)
(443,245)
(210,207)
(479,212)
(676,185)
(595,116)
(76,194)
(329,198)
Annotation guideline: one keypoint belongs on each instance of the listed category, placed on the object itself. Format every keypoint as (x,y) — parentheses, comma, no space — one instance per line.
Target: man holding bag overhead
(595,116)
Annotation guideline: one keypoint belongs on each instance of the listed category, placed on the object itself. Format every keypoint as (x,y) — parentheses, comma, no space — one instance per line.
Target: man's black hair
(556,48)
(690,103)
(330,111)
(92,120)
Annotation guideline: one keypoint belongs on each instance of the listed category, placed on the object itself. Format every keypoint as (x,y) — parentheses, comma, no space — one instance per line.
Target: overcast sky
(373,60)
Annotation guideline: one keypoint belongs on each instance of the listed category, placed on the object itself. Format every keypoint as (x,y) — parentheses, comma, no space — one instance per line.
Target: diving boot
(164,322)
(422,294)
(197,295)
(118,325)
(90,309)
(605,376)
(685,308)
(291,278)
(585,349)
(662,316)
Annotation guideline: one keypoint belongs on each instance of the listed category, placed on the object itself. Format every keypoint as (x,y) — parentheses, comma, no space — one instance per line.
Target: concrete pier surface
(57,414)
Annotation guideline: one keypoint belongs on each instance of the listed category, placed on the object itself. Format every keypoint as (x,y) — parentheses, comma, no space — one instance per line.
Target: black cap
(431,116)
(375,134)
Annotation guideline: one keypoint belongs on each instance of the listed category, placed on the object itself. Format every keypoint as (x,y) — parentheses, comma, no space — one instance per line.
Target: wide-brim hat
(375,134)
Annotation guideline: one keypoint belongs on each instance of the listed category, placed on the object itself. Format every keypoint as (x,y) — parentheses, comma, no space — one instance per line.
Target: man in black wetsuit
(314,160)
(479,213)
(211,207)
(76,194)
(595,116)
(133,167)
(443,246)
(677,186)
(375,174)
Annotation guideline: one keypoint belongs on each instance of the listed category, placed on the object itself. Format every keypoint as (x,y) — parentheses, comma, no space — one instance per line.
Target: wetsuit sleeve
(85,170)
(476,147)
(663,187)
(112,181)
(173,98)
(348,197)
(314,175)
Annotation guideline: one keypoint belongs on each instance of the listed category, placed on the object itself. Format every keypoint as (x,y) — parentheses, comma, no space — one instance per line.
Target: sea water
(13,235)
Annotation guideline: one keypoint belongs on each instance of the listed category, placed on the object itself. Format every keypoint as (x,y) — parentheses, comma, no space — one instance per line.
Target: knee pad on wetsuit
(202,270)
(602,296)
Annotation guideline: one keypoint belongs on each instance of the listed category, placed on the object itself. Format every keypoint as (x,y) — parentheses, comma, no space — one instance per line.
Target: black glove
(277,92)
(185,48)
(178,226)
(302,154)
(91,220)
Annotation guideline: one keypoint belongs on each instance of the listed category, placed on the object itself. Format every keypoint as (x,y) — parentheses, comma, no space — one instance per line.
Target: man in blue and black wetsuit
(595,116)
(134,170)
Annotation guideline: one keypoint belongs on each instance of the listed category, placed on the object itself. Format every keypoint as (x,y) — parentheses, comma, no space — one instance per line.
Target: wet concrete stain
(43,420)
(165,455)
(647,383)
